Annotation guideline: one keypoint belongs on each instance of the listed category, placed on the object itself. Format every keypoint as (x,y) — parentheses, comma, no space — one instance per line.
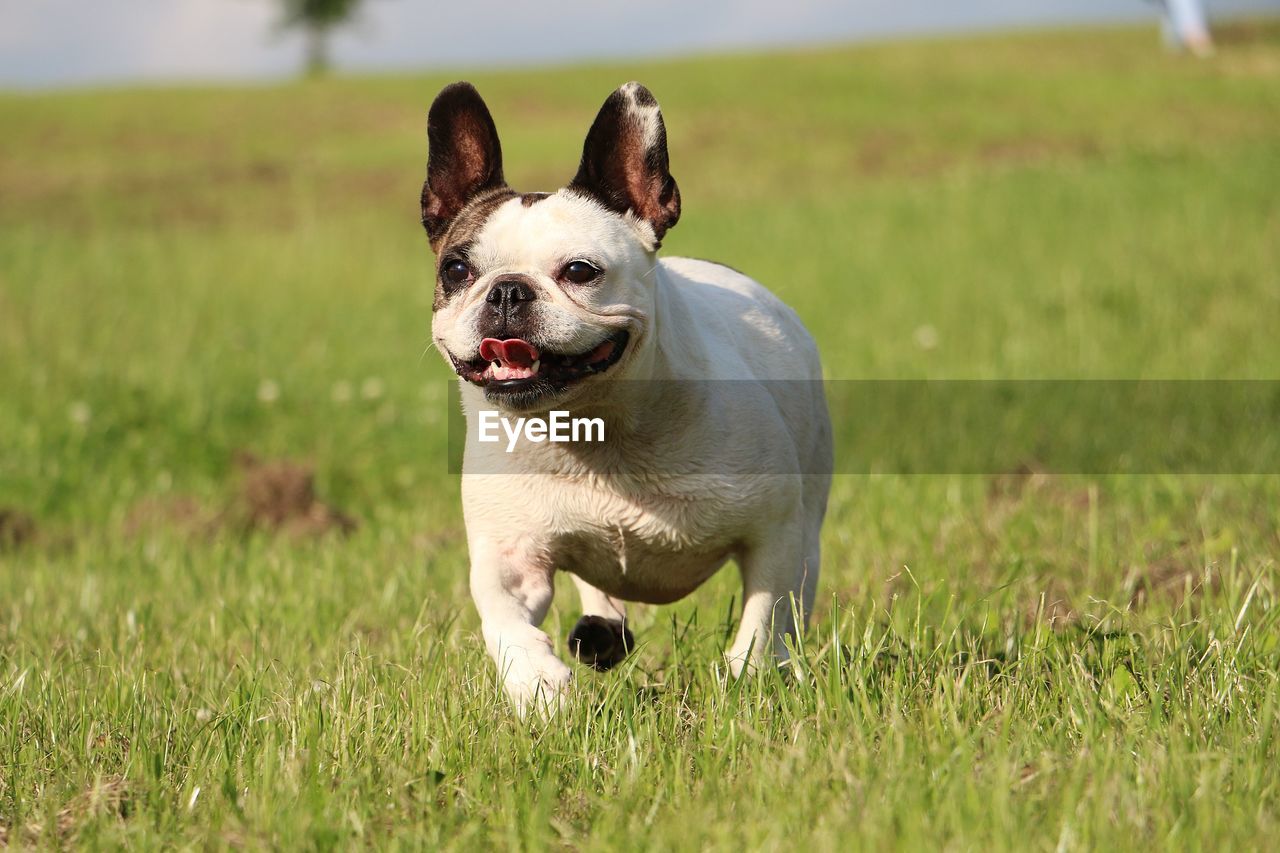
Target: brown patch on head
(17,529)
(465,158)
(279,496)
(530,199)
(624,160)
(463,229)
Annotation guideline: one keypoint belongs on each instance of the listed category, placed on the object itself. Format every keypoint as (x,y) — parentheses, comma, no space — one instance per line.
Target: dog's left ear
(465,157)
(624,161)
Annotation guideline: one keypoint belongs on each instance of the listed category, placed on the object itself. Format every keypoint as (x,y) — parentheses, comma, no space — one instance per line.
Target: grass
(1006,661)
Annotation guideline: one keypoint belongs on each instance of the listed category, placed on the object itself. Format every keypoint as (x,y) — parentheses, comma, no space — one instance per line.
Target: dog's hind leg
(601,638)
(776,583)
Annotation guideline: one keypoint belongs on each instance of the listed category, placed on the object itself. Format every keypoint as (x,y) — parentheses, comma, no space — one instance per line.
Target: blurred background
(224,482)
(64,42)
(209,238)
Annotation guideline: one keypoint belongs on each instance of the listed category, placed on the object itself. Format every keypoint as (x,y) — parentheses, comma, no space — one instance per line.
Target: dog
(717,440)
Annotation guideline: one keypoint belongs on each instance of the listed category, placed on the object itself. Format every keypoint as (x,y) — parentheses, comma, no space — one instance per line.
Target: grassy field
(1026,660)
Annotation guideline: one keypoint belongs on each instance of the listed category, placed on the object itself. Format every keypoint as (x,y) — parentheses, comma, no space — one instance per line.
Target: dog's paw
(744,665)
(542,690)
(600,643)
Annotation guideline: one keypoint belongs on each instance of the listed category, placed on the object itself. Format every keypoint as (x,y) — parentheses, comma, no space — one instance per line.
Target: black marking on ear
(643,97)
(465,157)
(624,160)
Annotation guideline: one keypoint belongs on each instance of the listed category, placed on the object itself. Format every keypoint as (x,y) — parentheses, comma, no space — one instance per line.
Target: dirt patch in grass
(1250,31)
(1171,580)
(886,154)
(1031,481)
(181,513)
(1029,150)
(106,797)
(1052,606)
(279,496)
(275,496)
(1173,577)
(17,529)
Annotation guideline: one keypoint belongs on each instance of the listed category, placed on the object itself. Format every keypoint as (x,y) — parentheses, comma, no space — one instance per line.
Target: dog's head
(539,295)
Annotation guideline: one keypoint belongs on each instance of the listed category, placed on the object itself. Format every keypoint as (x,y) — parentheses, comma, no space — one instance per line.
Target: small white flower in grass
(372,388)
(80,413)
(926,337)
(268,391)
(342,392)
(203,715)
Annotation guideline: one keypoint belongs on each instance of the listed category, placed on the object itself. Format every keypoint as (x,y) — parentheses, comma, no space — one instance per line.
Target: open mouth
(514,366)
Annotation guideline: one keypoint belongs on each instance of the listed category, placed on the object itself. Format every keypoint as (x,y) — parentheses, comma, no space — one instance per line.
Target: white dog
(717,446)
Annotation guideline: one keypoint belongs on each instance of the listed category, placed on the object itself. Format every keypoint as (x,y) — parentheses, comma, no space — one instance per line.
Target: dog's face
(539,295)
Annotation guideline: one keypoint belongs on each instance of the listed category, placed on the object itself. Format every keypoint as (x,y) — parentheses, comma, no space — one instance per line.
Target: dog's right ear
(624,160)
(465,158)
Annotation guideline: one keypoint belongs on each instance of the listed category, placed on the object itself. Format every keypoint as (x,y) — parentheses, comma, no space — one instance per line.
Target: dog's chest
(651,548)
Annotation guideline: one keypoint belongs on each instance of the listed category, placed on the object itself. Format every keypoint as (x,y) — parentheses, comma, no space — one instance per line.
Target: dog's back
(750,321)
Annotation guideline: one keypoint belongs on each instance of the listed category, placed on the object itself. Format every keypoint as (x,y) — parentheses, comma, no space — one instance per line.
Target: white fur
(538,241)
(692,473)
(648,117)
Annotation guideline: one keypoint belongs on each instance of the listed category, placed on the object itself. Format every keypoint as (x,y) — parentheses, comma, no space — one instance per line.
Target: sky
(50,43)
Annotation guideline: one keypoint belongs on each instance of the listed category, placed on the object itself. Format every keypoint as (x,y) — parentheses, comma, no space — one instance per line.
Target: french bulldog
(717,439)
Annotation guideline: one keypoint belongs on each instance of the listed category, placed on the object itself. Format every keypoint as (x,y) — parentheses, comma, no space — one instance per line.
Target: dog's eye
(455,272)
(579,272)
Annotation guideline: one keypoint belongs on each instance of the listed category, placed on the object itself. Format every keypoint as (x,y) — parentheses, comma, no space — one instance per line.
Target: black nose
(507,293)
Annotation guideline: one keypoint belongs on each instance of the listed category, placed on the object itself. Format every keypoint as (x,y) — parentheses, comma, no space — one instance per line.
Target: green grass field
(999,662)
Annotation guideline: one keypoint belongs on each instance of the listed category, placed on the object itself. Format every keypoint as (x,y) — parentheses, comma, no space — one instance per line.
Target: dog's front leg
(773,588)
(512,589)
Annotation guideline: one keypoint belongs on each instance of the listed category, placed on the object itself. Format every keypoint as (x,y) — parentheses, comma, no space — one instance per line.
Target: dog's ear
(465,157)
(624,161)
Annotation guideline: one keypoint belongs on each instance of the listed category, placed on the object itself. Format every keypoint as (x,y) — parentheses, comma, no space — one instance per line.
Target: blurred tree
(316,19)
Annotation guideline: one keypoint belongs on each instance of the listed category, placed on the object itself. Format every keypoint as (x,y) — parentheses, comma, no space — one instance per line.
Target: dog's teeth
(536,363)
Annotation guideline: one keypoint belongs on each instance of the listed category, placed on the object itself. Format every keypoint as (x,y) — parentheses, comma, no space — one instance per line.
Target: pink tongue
(509,352)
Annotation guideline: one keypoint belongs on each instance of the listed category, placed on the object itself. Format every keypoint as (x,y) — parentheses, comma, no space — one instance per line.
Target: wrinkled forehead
(535,231)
